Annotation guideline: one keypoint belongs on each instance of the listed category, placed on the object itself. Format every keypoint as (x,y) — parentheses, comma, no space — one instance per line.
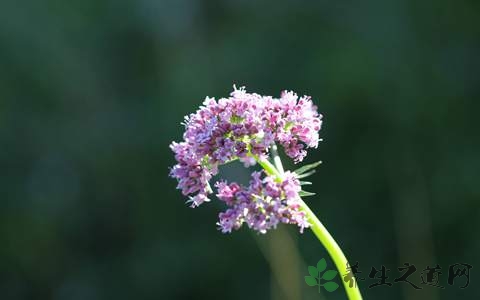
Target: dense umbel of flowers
(245,126)
(261,205)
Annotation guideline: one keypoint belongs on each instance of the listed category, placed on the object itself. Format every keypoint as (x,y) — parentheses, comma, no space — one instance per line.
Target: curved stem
(317,227)
(333,249)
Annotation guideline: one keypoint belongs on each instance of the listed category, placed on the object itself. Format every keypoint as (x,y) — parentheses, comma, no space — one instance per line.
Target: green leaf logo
(313,271)
(330,286)
(329,275)
(311,281)
(317,279)
(321,265)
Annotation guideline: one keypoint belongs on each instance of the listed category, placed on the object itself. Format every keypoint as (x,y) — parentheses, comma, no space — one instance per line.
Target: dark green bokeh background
(92,92)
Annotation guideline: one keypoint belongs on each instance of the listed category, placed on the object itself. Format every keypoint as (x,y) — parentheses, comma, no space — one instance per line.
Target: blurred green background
(92,92)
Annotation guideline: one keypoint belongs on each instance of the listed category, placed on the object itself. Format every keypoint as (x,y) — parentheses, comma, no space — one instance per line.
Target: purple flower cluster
(243,126)
(262,205)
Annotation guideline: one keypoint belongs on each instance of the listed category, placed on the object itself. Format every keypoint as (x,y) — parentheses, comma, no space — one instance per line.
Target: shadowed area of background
(92,92)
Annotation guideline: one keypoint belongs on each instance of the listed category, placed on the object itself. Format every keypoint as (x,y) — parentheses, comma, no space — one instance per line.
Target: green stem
(268,167)
(276,159)
(317,227)
(333,249)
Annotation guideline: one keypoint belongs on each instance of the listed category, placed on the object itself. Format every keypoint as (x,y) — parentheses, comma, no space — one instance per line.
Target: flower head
(244,127)
(262,205)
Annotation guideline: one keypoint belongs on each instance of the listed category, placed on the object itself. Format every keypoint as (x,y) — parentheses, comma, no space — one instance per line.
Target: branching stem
(317,227)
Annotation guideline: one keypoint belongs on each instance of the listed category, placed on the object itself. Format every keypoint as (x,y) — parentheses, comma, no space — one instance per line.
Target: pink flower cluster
(261,205)
(243,126)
